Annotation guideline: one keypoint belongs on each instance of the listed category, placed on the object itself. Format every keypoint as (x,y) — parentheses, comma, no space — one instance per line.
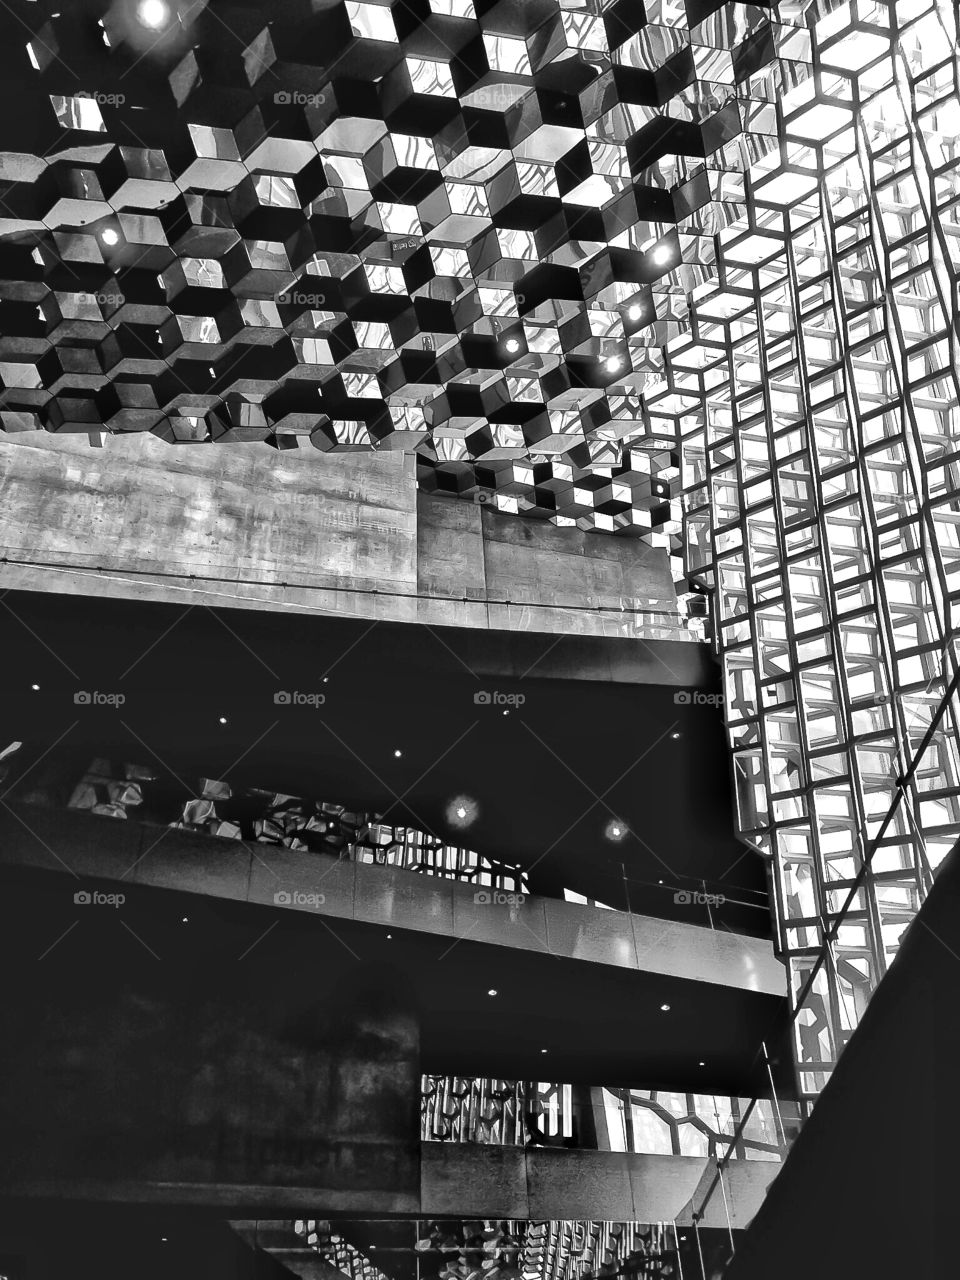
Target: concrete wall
(343,534)
(131,1086)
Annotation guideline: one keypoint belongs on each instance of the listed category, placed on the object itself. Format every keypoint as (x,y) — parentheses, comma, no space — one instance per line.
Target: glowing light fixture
(153,14)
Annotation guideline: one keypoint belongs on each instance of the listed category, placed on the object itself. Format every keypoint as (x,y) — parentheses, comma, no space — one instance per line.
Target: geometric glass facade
(816,398)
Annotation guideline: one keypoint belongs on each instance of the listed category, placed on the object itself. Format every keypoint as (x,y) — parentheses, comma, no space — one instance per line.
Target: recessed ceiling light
(506,713)
(153,14)
(389,937)
(398,753)
(462,811)
(634,312)
(223,719)
(35,687)
(676,735)
(662,254)
(615,829)
(544,1050)
(512,345)
(613,364)
(664,1008)
(492,991)
(703,1064)
(109,236)
(185,920)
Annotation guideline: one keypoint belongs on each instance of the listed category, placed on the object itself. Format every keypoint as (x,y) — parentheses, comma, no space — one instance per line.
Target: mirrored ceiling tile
(371,21)
(431,77)
(506,54)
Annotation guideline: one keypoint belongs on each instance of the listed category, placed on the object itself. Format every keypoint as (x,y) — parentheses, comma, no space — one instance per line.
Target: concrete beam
(309,883)
(346,534)
(548,1183)
(479,1181)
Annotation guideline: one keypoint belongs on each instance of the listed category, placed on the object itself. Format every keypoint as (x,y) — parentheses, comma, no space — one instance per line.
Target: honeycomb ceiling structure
(466,229)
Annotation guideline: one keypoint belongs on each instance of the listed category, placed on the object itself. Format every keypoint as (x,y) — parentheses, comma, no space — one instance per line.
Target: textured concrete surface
(341,534)
(152,1081)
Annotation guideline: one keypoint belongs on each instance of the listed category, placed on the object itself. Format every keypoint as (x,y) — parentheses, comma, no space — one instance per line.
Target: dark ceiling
(548,779)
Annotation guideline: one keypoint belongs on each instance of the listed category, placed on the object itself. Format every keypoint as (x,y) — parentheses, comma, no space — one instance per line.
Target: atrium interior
(480,699)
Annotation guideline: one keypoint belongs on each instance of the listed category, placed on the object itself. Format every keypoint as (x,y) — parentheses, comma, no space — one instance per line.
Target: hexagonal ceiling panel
(463,228)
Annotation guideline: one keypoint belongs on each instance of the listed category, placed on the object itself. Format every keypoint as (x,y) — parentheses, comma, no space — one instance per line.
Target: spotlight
(223,719)
(512,345)
(664,1008)
(543,1051)
(613,364)
(462,811)
(109,236)
(661,255)
(615,829)
(634,311)
(398,753)
(153,14)
(35,688)
(676,735)
(184,919)
(492,991)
